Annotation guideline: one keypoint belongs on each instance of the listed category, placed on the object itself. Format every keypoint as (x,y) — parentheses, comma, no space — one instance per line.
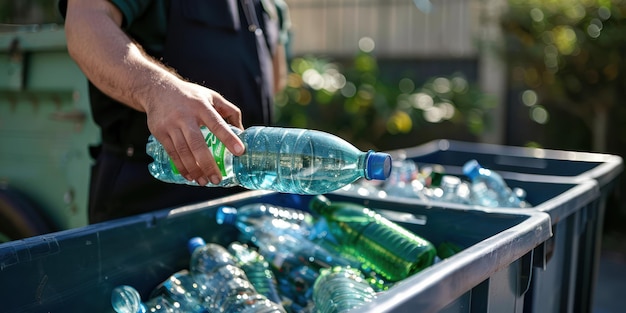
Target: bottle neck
(364,159)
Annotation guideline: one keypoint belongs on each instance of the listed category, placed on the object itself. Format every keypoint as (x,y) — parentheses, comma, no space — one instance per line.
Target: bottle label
(217,149)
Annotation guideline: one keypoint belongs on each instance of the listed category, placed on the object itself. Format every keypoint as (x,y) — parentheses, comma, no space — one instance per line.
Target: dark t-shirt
(145,21)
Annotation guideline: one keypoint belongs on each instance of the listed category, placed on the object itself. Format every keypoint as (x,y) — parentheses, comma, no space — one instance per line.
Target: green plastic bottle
(388,248)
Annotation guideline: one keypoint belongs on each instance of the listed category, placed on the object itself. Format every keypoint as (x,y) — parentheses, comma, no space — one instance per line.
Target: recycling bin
(77,269)
(582,228)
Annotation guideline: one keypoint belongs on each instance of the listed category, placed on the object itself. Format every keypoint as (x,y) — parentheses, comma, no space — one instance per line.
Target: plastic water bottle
(216,270)
(489,188)
(390,250)
(297,284)
(266,217)
(286,251)
(289,160)
(452,189)
(181,288)
(282,241)
(403,180)
(341,289)
(331,244)
(126,299)
(229,288)
(257,270)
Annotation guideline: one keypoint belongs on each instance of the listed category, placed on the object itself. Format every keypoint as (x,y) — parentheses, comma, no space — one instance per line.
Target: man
(167,67)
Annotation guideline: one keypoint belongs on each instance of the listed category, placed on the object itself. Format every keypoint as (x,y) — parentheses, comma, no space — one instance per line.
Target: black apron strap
(262,48)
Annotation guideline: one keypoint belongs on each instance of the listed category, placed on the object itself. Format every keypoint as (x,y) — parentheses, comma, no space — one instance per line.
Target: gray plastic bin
(75,270)
(584,229)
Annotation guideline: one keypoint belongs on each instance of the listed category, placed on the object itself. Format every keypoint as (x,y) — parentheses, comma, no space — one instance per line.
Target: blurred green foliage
(568,54)
(356,103)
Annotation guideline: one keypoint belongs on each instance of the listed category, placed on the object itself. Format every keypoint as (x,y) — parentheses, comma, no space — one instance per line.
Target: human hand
(176,113)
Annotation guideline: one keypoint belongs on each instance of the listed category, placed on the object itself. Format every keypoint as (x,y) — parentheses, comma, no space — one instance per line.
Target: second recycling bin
(577,234)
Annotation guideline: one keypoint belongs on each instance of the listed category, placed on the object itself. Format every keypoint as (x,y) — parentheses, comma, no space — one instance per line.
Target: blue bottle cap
(226,215)
(378,166)
(194,243)
(471,168)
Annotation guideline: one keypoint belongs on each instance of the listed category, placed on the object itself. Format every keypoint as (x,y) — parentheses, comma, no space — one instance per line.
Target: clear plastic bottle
(297,284)
(289,160)
(259,216)
(489,188)
(126,299)
(285,250)
(228,287)
(390,250)
(182,288)
(341,289)
(403,181)
(453,190)
(282,240)
(257,270)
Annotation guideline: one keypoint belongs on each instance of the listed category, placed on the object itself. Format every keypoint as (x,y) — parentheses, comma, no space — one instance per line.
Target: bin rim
(439,284)
(610,168)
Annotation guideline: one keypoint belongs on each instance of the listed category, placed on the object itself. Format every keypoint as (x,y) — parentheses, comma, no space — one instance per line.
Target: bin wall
(577,230)
(78,268)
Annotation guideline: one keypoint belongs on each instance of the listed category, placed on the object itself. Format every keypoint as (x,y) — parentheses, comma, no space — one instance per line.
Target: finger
(188,167)
(221,129)
(230,112)
(168,145)
(206,166)
(225,134)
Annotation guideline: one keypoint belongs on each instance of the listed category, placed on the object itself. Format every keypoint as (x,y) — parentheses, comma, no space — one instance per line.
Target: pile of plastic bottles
(478,186)
(334,259)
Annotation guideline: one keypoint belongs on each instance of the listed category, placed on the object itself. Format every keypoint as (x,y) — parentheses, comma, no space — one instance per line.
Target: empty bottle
(452,189)
(285,251)
(228,287)
(216,270)
(126,299)
(489,188)
(257,270)
(289,160)
(182,288)
(373,279)
(283,241)
(403,181)
(297,284)
(389,249)
(267,217)
(341,289)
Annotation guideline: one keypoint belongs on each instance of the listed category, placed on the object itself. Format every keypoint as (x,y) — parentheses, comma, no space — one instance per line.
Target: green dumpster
(45,131)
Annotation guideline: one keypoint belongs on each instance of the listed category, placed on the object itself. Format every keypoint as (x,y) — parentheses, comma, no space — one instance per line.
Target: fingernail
(239,149)
(215,179)
(202,181)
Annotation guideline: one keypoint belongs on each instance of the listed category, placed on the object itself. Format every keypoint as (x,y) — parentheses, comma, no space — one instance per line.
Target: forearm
(109,58)
(175,109)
